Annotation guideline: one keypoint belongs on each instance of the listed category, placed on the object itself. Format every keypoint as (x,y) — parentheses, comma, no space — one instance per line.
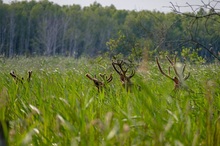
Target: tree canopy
(45,28)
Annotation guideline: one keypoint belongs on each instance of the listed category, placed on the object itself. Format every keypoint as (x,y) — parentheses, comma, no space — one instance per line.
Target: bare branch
(209,13)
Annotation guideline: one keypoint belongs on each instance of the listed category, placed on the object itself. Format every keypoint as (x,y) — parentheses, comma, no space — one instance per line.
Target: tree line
(45,28)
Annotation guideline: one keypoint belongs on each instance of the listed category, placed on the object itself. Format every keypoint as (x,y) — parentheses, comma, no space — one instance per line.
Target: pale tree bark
(27,40)
(47,35)
(65,25)
(11,34)
(2,38)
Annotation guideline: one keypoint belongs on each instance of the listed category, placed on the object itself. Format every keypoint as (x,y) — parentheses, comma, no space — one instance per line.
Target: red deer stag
(121,68)
(100,84)
(179,69)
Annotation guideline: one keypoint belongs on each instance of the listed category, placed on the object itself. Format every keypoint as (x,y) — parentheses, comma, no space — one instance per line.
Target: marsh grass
(61,107)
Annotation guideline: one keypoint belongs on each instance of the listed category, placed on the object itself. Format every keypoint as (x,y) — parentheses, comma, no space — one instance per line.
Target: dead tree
(100,84)
(205,13)
(179,69)
(122,69)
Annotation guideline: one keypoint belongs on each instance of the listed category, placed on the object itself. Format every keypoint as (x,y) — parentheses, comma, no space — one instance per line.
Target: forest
(47,29)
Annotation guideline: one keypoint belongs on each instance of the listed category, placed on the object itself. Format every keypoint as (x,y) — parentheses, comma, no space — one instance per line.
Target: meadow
(60,106)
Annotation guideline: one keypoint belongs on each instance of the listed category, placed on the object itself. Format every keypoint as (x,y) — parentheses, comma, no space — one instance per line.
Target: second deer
(121,68)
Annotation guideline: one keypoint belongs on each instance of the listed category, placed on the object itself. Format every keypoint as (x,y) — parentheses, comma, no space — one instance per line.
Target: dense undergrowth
(60,106)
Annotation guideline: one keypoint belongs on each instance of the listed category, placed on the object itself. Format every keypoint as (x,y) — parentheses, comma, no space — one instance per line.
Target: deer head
(178,68)
(100,84)
(17,79)
(122,69)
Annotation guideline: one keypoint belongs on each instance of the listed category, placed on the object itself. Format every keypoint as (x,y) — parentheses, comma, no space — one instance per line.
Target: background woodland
(45,28)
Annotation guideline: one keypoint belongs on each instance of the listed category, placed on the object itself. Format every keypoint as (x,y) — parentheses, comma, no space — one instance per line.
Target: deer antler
(186,77)
(125,79)
(100,84)
(29,75)
(17,79)
(179,76)
(105,78)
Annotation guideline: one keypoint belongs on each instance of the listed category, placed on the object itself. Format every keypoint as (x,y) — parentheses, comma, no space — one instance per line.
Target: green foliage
(124,46)
(60,106)
(191,55)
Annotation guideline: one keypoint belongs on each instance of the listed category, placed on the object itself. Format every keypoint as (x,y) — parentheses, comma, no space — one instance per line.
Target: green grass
(60,106)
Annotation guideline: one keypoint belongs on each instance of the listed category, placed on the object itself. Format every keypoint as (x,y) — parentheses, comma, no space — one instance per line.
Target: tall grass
(60,106)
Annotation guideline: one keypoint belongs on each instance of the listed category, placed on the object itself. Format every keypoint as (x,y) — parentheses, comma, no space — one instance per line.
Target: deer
(100,84)
(121,68)
(17,79)
(179,70)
